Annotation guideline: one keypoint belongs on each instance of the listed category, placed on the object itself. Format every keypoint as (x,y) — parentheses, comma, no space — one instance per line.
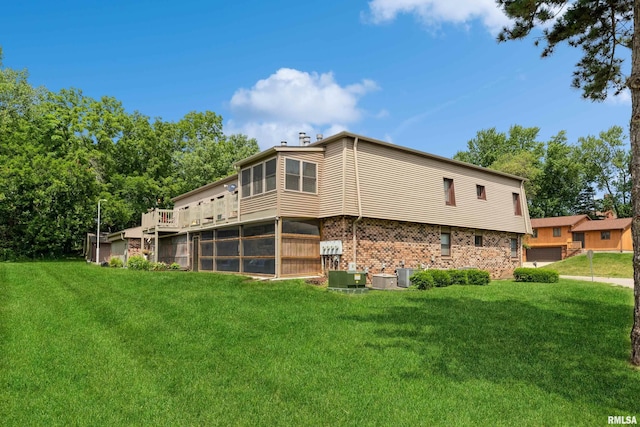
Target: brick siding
(396,242)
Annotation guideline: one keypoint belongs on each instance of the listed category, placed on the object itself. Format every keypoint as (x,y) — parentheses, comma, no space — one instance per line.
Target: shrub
(174,266)
(458,277)
(137,262)
(537,275)
(158,266)
(116,262)
(422,280)
(478,277)
(441,278)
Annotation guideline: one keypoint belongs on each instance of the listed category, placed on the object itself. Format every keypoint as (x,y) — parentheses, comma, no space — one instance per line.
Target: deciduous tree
(605,30)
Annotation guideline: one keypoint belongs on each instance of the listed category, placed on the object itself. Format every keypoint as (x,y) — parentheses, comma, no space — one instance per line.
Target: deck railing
(221,210)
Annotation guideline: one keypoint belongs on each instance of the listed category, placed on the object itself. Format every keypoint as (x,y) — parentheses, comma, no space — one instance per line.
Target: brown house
(345,202)
(557,238)
(126,243)
(605,235)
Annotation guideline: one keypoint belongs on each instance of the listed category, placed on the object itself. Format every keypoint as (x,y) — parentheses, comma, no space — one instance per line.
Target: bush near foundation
(458,277)
(422,280)
(478,277)
(174,266)
(535,275)
(116,262)
(138,262)
(441,278)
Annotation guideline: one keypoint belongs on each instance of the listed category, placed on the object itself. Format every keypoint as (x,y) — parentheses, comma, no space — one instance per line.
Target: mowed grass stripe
(61,357)
(181,348)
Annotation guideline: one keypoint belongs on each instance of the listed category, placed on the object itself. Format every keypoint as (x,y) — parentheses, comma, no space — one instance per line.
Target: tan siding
(406,187)
(351,200)
(330,187)
(261,202)
(296,203)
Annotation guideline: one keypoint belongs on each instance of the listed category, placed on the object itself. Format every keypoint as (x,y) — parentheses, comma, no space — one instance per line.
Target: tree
(607,163)
(561,179)
(601,28)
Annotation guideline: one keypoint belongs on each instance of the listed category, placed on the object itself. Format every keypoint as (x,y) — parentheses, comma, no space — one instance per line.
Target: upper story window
(258,179)
(557,231)
(449,192)
(300,176)
(517,207)
(481,192)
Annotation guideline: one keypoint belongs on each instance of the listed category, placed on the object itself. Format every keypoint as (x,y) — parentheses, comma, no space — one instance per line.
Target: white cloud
(290,101)
(434,12)
(623,98)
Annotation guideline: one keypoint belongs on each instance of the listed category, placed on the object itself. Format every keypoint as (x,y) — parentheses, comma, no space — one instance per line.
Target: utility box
(347,279)
(403,276)
(384,281)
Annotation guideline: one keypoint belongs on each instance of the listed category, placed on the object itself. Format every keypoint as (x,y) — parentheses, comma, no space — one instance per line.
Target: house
(90,248)
(345,202)
(605,235)
(125,243)
(557,238)
(552,238)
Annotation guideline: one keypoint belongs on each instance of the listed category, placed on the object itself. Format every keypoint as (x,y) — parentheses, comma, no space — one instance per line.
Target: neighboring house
(125,243)
(605,235)
(552,238)
(556,238)
(345,202)
(90,246)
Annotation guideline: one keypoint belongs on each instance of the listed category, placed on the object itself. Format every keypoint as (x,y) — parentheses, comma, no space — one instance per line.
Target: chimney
(283,143)
(319,137)
(307,140)
(301,137)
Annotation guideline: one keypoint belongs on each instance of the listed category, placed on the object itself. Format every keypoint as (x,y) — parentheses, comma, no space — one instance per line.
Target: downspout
(527,221)
(355,163)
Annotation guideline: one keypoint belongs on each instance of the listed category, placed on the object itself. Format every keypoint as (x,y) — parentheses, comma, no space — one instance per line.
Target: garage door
(544,254)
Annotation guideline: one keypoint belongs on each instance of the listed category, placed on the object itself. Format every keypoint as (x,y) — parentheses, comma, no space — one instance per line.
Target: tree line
(60,152)
(591,176)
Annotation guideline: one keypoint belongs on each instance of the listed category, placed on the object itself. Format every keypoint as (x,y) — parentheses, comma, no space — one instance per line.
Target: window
(258,179)
(517,208)
(514,248)
(292,178)
(605,235)
(557,231)
(449,192)
(535,233)
(481,192)
(308,177)
(245,182)
(300,176)
(478,241)
(270,175)
(445,244)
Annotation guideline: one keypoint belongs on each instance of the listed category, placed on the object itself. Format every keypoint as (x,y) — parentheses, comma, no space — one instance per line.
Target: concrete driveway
(628,283)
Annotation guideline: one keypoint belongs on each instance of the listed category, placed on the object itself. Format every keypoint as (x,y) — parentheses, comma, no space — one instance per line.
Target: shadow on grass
(574,348)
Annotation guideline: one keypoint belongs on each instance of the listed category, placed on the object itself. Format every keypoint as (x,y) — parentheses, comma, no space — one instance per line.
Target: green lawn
(604,265)
(82,345)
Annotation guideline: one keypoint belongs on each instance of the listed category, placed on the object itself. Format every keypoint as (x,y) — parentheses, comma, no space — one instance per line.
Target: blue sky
(427,74)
